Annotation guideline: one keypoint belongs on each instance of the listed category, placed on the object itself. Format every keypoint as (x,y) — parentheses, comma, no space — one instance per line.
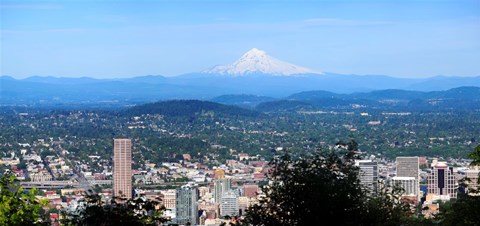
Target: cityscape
(240,113)
(197,194)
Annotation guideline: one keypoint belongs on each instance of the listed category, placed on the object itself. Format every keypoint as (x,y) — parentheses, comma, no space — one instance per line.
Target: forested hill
(190,108)
(461,98)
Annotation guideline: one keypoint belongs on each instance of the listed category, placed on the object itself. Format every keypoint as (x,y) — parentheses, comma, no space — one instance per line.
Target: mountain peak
(254,52)
(257,61)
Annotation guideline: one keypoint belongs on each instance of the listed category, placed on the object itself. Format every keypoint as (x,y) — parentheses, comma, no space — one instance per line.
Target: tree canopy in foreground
(92,211)
(324,189)
(19,207)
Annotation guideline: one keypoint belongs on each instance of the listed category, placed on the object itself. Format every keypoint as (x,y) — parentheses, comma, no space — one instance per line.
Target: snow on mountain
(257,61)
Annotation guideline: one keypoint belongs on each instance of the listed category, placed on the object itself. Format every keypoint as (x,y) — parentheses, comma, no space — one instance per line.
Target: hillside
(242,100)
(461,98)
(284,106)
(189,108)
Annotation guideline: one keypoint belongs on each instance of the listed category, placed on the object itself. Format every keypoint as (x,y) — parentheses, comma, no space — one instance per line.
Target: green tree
(465,210)
(92,211)
(18,207)
(323,187)
(475,156)
(386,208)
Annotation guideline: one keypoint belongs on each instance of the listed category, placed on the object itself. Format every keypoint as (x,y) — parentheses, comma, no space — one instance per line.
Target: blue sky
(107,39)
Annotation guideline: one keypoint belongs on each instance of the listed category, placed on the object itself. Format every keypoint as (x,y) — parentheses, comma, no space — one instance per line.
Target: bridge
(48,184)
(81,183)
(86,185)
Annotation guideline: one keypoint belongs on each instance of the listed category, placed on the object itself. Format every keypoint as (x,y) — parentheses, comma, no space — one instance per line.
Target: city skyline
(106,39)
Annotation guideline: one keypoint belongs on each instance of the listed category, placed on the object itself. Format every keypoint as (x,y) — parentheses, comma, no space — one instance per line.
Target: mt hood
(257,61)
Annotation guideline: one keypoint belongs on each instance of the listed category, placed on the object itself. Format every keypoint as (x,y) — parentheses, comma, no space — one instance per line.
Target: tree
(387,208)
(465,210)
(323,187)
(475,156)
(92,211)
(18,207)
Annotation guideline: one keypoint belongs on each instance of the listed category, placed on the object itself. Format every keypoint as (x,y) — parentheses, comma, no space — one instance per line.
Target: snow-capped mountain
(257,61)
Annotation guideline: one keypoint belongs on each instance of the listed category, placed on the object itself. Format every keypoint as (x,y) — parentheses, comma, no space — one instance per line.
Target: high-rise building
(368,174)
(221,186)
(122,168)
(186,205)
(472,176)
(407,167)
(441,181)
(408,184)
(169,197)
(229,204)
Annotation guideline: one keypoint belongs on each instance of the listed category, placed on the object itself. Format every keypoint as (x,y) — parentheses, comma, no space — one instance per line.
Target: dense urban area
(223,152)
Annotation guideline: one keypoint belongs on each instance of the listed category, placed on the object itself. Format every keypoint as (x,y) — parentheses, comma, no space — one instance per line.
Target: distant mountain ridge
(204,87)
(461,98)
(255,73)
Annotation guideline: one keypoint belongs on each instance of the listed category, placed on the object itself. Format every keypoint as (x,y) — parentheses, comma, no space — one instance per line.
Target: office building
(122,168)
(472,176)
(229,204)
(441,181)
(409,167)
(368,174)
(221,186)
(186,205)
(408,184)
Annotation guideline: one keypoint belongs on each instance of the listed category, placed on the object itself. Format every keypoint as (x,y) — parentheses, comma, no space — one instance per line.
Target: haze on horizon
(114,39)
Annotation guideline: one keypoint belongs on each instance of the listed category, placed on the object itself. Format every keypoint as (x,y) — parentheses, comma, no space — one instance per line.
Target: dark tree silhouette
(93,211)
(321,188)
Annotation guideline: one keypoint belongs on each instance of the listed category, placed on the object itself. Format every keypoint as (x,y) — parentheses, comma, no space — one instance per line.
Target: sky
(117,39)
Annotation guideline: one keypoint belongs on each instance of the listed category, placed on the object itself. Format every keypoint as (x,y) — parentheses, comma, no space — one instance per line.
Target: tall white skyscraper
(221,186)
(409,185)
(368,174)
(122,168)
(409,167)
(229,204)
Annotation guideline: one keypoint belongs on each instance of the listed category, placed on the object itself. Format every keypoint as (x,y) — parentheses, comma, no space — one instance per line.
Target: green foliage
(461,212)
(93,211)
(386,208)
(475,156)
(18,207)
(323,186)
